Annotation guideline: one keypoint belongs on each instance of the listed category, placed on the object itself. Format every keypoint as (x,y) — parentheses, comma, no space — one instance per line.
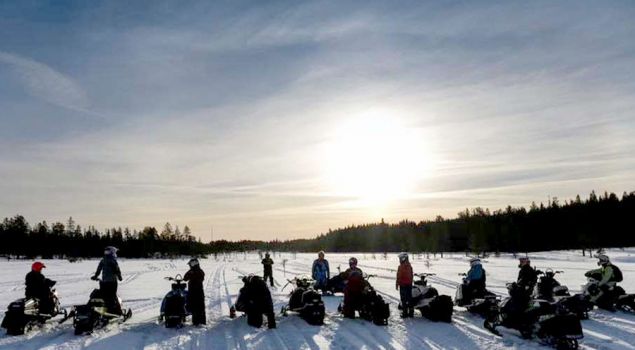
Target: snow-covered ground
(143,288)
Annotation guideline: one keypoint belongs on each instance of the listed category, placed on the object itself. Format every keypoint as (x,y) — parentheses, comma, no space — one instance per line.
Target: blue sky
(284,119)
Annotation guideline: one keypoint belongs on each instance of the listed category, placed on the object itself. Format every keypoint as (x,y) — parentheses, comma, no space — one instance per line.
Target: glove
(94,278)
(397,287)
(119,278)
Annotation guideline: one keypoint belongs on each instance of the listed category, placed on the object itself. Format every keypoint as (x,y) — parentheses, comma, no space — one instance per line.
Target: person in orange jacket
(404,285)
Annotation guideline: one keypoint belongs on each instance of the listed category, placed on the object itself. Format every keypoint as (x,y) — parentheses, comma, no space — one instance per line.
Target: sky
(284,119)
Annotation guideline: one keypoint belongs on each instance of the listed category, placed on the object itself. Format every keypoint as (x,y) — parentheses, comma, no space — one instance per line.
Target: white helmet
(603,259)
(111,251)
(475,261)
(403,257)
(193,262)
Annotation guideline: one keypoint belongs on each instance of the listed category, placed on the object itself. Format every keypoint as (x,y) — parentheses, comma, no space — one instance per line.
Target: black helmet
(352,261)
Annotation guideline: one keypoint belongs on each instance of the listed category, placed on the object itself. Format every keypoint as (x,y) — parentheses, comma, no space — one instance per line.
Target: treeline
(595,222)
(599,221)
(19,239)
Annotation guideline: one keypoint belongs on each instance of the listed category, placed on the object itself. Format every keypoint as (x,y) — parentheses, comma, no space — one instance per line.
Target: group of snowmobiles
(544,309)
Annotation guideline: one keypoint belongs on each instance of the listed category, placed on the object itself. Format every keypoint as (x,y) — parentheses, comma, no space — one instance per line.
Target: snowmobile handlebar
(177,278)
(463,274)
(425,274)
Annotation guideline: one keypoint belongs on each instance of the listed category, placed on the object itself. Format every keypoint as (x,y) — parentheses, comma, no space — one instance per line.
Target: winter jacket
(476,273)
(404,274)
(35,285)
(607,274)
(109,269)
(320,271)
(352,271)
(194,278)
(354,281)
(527,277)
(267,264)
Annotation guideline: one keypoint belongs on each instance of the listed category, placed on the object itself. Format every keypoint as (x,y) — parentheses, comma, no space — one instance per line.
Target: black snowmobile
(554,326)
(306,301)
(25,313)
(336,283)
(372,306)
(427,300)
(549,289)
(95,314)
(478,301)
(174,309)
(254,299)
(613,299)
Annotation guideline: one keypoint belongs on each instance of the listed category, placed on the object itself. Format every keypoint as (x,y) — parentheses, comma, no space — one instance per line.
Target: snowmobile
(25,313)
(254,299)
(554,326)
(549,289)
(336,283)
(481,302)
(427,300)
(174,310)
(372,306)
(305,300)
(95,313)
(613,299)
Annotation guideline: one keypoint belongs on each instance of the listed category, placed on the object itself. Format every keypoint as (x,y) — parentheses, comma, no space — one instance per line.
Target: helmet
(267,255)
(549,273)
(352,261)
(37,266)
(321,254)
(475,261)
(603,259)
(111,251)
(523,261)
(193,262)
(403,257)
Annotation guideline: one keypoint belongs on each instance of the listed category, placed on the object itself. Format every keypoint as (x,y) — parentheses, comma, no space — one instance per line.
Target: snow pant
(405,294)
(352,302)
(196,305)
(109,293)
(321,284)
(268,274)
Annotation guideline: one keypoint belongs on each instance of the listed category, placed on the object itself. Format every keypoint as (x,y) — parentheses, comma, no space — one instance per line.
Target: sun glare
(375,158)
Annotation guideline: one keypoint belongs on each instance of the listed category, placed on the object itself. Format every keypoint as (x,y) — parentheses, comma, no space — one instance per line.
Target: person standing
(321,272)
(195,294)
(267,265)
(353,289)
(110,274)
(404,281)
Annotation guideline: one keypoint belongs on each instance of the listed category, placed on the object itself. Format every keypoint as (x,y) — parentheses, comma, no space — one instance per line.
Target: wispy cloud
(46,83)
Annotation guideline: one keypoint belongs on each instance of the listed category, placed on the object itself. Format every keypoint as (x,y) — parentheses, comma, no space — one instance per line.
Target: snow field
(144,286)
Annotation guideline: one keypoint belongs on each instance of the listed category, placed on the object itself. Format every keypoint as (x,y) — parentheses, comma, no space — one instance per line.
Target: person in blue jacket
(474,282)
(321,272)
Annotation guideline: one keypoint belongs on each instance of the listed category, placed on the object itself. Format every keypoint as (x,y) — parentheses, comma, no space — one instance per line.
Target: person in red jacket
(404,285)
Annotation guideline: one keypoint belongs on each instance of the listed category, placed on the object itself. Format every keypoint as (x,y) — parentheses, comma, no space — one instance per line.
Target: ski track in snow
(143,288)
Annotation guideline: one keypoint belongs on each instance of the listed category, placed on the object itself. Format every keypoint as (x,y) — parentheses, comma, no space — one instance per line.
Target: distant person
(110,274)
(38,287)
(404,285)
(527,275)
(195,294)
(321,272)
(267,265)
(607,275)
(353,289)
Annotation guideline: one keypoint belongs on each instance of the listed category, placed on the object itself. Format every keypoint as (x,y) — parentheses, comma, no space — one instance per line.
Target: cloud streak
(46,83)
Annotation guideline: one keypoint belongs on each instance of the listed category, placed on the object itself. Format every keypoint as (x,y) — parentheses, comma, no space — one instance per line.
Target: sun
(375,158)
